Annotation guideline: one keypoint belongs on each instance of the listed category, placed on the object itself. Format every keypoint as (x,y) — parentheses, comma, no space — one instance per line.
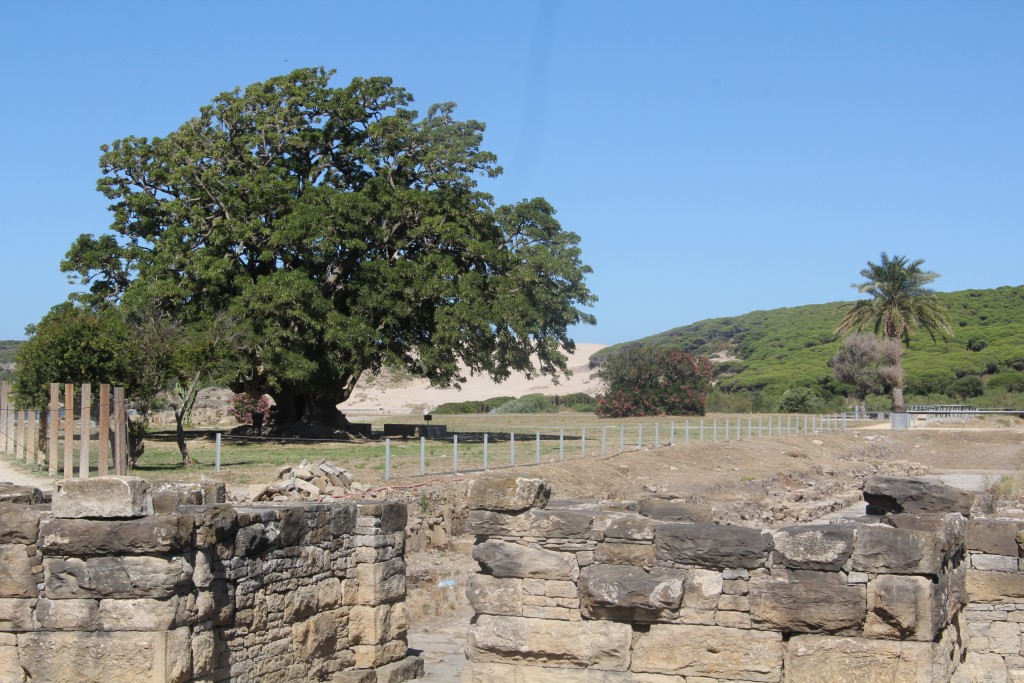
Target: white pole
(387,459)
(423,455)
(485,451)
(512,442)
(216,466)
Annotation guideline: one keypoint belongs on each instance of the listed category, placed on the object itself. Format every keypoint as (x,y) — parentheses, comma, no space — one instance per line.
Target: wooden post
(104,455)
(83,453)
(23,434)
(4,407)
(69,431)
(54,426)
(120,433)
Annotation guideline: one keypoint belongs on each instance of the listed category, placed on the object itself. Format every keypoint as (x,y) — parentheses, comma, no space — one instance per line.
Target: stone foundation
(590,592)
(99,588)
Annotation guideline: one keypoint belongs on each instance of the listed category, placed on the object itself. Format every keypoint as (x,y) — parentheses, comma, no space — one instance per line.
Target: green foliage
(1008,381)
(530,403)
(344,233)
(966,387)
(472,407)
(648,380)
(8,350)
(788,347)
(800,400)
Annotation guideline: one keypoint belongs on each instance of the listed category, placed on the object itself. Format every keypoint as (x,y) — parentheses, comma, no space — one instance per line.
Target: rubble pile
(311,481)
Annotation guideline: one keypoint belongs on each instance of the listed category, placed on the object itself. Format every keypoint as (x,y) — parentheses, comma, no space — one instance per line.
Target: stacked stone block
(587,592)
(107,587)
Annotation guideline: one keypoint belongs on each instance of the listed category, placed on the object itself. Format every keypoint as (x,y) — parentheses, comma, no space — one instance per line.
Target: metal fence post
(604,439)
(561,444)
(686,432)
(714,436)
(672,434)
(639,436)
(455,453)
(423,455)
(512,446)
(387,459)
(485,451)
(216,457)
(622,438)
(538,447)
(583,442)
(657,435)
(726,429)
(702,430)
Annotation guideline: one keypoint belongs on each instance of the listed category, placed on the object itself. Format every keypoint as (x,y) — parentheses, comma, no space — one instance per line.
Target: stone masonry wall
(574,592)
(101,587)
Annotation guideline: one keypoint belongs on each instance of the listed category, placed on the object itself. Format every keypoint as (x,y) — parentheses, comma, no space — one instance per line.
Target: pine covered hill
(766,352)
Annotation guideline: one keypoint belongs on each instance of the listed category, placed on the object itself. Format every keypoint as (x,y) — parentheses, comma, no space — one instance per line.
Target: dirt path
(9,472)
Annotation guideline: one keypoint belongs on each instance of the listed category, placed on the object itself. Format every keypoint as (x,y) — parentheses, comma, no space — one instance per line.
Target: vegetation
(531,403)
(900,303)
(867,363)
(652,381)
(800,400)
(8,350)
(338,232)
(786,347)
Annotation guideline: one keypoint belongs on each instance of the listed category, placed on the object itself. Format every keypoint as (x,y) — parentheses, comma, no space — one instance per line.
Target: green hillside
(787,347)
(8,349)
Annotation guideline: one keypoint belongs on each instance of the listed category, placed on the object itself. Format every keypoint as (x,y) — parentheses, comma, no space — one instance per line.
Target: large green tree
(900,303)
(345,233)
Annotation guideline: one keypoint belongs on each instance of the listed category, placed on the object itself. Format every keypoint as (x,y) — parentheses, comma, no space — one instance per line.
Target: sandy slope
(416,395)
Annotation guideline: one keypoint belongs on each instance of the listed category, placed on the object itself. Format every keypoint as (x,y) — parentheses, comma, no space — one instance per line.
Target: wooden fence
(22,432)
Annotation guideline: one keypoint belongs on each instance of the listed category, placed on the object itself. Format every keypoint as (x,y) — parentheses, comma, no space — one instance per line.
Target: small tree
(800,400)
(867,362)
(647,380)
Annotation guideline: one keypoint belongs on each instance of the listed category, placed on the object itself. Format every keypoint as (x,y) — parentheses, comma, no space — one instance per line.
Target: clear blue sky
(716,157)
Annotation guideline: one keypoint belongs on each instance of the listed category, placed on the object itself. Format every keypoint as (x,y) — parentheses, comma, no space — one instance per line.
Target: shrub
(800,400)
(1010,381)
(647,380)
(966,387)
(531,403)
(244,405)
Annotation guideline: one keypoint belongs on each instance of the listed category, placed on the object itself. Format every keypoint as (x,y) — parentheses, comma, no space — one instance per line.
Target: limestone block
(908,494)
(599,645)
(815,658)
(407,669)
(712,546)
(823,547)
(381,582)
(251,540)
(885,550)
(67,615)
(379,655)
(982,668)
(493,595)
(702,589)
(124,657)
(903,608)
(343,518)
(624,593)
(993,536)
(951,527)
(803,601)
(391,516)
(115,577)
(711,651)
(10,667)
(216,524)
(16,614)
(141,614)
(16,577)
(102,498)
(507,493)
(733,619)
(161,534)
(674,510)
(1004,637)
(24,495)
(636,554)
(630,528)
(18,523)
(543,523)
(315,637)
(511,560)
(994,586)
(203,653)
(377,625)
(994,563)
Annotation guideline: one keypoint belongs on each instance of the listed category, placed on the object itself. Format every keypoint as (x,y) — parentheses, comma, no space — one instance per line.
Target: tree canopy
(649,380)
(900,303)
(340,232)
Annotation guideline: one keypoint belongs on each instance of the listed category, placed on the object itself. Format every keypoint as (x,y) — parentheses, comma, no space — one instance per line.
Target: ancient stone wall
(609,593)
(103,586)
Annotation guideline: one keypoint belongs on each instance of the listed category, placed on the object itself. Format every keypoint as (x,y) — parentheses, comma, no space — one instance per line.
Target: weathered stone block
(824,547)
(674,510)
(632,528)
(491,595)
(602,645)
(635,554)
(714,652)
(907,494)
(507,493)
(103,498)
(381,582)
(800,601)
(994,586)
(377,625)
(315,637)
(139,614)
(994,563)
(23,495)
(815,658)
(16,577)
(712,546)
(158,535)
(993,536)
(107,657)
(16,614)
(544,523)
(623,593)
(407,669)
(702,589)
(511,560)
(903,608)
(393,515)
(883,549)
(67,615)
(379,655)
(115,577)
(18,523)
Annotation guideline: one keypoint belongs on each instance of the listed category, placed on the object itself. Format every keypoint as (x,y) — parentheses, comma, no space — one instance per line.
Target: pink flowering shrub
(646,380)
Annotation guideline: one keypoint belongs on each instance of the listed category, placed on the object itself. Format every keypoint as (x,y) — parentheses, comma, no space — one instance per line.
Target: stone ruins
(115,580)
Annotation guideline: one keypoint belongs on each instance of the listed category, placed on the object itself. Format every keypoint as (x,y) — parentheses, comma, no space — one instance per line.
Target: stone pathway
(15,475)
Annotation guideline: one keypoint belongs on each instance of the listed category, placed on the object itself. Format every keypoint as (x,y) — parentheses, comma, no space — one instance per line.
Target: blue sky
(716,157)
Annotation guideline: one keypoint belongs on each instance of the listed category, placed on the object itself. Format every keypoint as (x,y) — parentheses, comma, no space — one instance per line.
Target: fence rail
(34,435)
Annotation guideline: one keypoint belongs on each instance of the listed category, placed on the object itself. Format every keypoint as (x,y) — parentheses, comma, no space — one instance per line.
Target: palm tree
(900,303)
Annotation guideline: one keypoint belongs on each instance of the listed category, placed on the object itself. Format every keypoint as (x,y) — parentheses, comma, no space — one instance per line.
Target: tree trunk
(179,429)
(897,399)
(311,413)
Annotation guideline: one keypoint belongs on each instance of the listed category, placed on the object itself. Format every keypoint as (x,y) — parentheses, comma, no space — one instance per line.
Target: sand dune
(377,395)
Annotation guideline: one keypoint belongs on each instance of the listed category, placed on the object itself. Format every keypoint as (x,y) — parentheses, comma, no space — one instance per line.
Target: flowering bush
(653,381)
(244,405)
